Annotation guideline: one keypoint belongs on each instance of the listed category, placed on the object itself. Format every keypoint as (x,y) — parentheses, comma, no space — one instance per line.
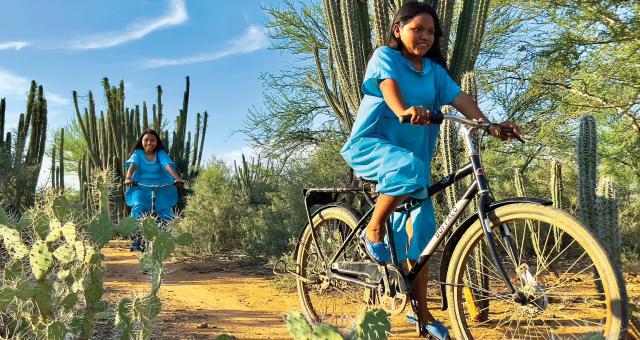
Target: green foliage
(221,218)
(372,324)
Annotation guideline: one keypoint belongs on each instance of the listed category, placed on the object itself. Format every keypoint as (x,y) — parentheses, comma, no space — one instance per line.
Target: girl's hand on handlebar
(506,130)
(128,182)
(178,183)
(419,115)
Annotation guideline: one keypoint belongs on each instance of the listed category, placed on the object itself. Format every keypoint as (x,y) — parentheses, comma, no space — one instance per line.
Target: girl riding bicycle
(406,78)
(150,164)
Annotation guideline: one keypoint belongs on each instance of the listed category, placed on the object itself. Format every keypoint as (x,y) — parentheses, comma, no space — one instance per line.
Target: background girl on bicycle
(150,164)
(407,77)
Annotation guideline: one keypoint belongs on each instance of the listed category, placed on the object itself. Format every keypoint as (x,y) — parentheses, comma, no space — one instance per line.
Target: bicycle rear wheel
(334,302)
(569,285)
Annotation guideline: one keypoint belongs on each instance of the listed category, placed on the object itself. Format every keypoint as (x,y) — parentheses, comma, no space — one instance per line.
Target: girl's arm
(128,181)
(465,104)
(392,96)
(174,174)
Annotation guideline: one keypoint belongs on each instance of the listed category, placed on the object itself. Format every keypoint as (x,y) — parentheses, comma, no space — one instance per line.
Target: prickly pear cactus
(163,246)
(298,326)
(13,242)
(40,259)
(374,324)
(65,253)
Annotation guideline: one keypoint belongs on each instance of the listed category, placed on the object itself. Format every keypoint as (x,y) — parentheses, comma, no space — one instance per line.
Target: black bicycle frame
(478,187)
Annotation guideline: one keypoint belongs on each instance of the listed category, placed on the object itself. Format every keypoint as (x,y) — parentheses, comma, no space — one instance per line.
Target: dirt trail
(202,300)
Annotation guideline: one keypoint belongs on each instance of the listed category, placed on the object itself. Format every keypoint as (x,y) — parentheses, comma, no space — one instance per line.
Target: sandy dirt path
(203,299)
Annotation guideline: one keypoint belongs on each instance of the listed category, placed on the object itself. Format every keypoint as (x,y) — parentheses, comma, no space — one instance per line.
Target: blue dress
(398,156)
(151,173)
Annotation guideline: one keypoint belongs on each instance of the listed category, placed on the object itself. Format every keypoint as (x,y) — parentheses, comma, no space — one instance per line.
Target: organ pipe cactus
(607,218)
(57,172)
(587,157)
(556,197)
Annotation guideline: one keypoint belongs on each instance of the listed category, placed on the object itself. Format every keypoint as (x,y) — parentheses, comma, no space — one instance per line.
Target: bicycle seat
(365,181)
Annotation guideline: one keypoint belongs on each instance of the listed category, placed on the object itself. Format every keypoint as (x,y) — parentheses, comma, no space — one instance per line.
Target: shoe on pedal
(135,246)
(435,330)
(378,251)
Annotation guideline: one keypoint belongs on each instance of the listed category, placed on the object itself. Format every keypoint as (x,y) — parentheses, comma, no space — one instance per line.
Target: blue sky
(71,45)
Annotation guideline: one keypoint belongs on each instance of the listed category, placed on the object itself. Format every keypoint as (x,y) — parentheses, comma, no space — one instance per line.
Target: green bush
(222,218)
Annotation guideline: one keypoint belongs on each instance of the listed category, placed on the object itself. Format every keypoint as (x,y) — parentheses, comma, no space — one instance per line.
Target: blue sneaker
(135,245)
(435,329)
(378,251)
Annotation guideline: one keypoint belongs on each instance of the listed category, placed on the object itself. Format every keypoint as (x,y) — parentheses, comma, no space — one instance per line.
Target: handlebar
(437,117)
(138,184)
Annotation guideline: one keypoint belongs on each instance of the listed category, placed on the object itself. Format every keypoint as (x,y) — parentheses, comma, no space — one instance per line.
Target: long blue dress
(151,173)
(398,156)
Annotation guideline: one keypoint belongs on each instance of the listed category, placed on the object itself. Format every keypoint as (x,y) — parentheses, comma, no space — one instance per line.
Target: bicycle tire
(552,311)
(331,223)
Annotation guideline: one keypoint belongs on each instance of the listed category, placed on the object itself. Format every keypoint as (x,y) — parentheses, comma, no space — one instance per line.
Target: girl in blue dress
(150,164)
(407,77)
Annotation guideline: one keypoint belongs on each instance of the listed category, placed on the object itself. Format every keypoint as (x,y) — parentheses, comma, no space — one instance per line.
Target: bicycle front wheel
(567,286)
(331,301)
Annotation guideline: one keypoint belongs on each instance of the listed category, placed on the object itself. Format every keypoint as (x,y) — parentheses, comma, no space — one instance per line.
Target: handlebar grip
(436,118)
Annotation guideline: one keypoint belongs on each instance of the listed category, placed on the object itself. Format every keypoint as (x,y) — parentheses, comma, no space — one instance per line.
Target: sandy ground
(204,299)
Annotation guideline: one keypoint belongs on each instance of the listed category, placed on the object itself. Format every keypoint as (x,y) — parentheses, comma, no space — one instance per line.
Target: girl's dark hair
(405,13)
(138,145)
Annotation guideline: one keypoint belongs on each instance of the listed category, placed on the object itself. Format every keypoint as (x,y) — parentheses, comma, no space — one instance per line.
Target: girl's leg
(419,285)
(384,207)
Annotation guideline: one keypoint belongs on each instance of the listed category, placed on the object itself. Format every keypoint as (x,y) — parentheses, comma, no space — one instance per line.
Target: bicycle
(162,224)
(504,272)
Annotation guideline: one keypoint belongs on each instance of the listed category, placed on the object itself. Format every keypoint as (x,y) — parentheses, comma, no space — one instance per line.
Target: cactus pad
(69,232)
(13,242)
(184,239)
(374,324)
(149,229)
(24,291)
(56,331)
(163,246)
(40,259)
(13,271)
(100,230)
(127,226)
(65,253)
(298,326)
(6,297)
(325,332)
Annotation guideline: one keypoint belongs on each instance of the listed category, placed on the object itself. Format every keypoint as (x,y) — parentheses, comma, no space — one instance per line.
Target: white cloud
(13,45)
(12,85)
(252,40)
(177,14)
(56,99)
(236,155)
